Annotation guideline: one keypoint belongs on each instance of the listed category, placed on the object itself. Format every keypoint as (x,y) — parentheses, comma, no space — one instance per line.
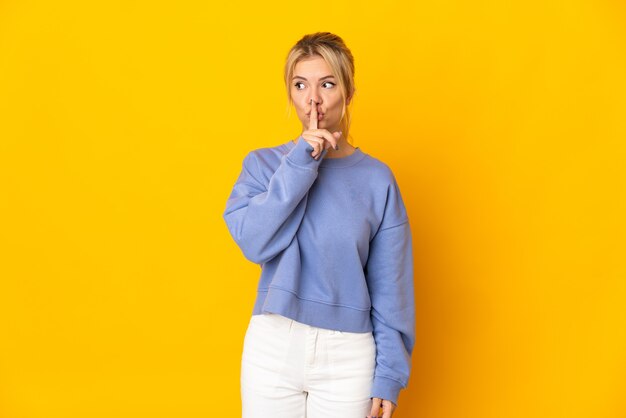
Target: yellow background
(123,125)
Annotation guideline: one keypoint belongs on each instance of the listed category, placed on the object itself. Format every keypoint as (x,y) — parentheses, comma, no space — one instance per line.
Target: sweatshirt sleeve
(264,218)
(389,275)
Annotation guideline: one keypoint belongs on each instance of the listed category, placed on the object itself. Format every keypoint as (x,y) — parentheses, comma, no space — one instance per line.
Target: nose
(314,96)
(314,101)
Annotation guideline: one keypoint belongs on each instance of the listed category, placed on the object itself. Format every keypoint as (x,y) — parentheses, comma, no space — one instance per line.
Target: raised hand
(320,139)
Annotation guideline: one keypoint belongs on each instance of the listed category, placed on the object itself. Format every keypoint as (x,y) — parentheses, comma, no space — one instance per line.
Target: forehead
(312,68)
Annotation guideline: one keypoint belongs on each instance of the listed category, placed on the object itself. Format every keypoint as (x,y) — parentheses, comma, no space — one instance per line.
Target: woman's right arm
(264,218)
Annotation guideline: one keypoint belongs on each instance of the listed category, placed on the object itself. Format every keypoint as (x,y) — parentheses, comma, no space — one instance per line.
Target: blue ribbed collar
(348,161)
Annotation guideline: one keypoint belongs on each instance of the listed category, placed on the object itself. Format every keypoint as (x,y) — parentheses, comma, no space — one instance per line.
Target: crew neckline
(339,162)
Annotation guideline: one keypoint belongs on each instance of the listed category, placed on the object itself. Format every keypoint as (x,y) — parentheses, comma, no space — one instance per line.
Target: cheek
(336,105)
(336,109)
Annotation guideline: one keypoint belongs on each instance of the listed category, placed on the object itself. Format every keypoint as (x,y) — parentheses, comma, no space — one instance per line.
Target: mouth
(319,115)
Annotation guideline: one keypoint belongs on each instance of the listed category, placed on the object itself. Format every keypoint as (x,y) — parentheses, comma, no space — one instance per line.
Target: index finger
(313,116)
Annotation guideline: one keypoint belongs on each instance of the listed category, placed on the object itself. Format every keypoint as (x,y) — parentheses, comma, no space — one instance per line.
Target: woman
(332,329)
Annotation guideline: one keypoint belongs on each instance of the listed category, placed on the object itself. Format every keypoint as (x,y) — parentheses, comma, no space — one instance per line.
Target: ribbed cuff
(385,388)
(301,155)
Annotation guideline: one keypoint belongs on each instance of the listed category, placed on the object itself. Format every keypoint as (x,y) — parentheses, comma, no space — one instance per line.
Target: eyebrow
(326,76)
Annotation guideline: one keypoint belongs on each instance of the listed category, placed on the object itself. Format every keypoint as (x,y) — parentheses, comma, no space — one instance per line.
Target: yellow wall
(122,130)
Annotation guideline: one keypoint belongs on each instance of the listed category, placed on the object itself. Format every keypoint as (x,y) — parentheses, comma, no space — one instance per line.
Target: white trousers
(293,370)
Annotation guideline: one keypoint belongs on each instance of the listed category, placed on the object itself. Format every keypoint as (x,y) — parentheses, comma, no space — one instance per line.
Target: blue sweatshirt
(334,244)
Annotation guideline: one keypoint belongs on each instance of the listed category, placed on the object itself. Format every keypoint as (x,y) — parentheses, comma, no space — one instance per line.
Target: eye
(326,82)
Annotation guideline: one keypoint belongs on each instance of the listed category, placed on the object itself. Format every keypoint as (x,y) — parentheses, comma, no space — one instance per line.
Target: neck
(344,150)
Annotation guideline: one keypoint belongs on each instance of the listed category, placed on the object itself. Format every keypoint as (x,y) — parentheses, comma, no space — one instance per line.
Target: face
(312,79)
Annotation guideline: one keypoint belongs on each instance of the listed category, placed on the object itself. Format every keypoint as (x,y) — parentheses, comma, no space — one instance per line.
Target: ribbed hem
(317,314)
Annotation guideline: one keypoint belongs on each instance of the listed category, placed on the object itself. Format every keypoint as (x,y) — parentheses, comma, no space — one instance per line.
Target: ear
(349,99)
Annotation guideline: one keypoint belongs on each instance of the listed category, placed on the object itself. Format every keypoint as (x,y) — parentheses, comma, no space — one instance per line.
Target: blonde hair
(338,57)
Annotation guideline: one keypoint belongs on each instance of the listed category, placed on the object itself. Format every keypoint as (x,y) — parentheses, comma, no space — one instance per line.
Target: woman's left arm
(389,275)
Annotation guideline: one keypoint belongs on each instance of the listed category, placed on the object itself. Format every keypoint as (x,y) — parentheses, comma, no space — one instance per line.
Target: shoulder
(379,171)
(264,161)
(265,156)
(388,191)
